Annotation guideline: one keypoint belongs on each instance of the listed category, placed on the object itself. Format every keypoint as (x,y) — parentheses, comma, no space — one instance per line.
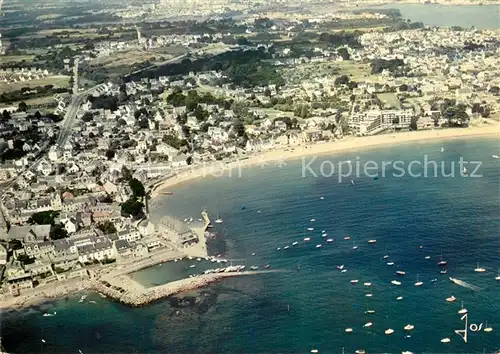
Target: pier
(127,291)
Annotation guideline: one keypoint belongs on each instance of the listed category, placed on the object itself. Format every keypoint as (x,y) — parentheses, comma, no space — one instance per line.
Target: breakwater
(127,291)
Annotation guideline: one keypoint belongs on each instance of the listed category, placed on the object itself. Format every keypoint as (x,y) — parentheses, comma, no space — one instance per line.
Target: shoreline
(321,149)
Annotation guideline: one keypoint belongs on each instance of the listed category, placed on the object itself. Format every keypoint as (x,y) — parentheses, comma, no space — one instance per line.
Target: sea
(466,16)
(416,221)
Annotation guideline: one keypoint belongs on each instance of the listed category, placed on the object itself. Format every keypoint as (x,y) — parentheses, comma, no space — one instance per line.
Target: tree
(137,187)
(58,232)
(6,115)
(344,53)
(403,87)
(43,217)
(239,128)
(110,154)
(87,117)
(23,107)
(413,123)
(15,245)
(132,207)
(38,115)
(342,80)
(107,227)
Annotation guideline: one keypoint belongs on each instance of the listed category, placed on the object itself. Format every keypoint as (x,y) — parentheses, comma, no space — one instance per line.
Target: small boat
(442,149)
(243,207)
(451,298)
(310,228)
(267,266)
(389,331)
(43,341)
(192,266)
(367,284)
(487,329)
(479,269)
(219,220)
(454,280)
(385,256)
(498,276)
(348,330)
(48,314)
(319,246)
(495,156)
(254,267)
(314,351)
(444,271)
(306,239)
(463,310)
(198,259)
(352,182)
(368,325)
(354,247)
(321,198)
(409,327)
(347,238)
(354,281)
(369,295)
(370,312)
(324,234)
(253,254)
(427,257)
(190,258)
(445,340)
(360,351)
(399,298)
(313,220)
(372,241)
(92,302)
(407,352)
(278,249)
(395,282)
(295,243)
(390,264)
(340,267)
(442,263)
(329,240)
(434,280)
(400,272)
(375,178)
(343,271)
(418,283)
(286,247)
(464,170)
(102,295)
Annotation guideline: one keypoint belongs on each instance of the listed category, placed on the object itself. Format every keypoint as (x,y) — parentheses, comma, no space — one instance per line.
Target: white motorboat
(495,156)
(92,302)
(348,330)
(354,281)
(354,247)
(463,310)
(445,340)
(409,327)
(372,241)
(340,267)
(399,298)
(314,351)
(313,220)
(352,182)
(324,234)
(48,314)
(369,295)
(254,267)
(400,272)
(418,283)
(442,149)
(370,312)
(192,266)
(498,276)
(295,243)
(310,228)
(347,238)
(368,325)
(389,331)
(395,282)
(479,269)
(278,249)
(319,246)
(306,239)
(321,198)
(427,257)
(367,284)
(253,254)
(329,240)
(385,256)
(390,264)
(286,247)
(451,298)
(343,271)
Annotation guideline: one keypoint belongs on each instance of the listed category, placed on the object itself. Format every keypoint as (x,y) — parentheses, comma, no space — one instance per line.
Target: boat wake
(465,284)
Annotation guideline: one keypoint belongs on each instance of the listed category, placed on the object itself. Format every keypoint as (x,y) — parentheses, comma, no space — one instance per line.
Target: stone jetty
(127,291)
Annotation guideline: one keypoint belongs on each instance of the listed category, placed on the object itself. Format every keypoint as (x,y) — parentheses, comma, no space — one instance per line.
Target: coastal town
(78,174)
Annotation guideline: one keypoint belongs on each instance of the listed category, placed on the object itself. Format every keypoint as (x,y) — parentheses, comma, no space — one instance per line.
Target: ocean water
(295,310)
(479,16)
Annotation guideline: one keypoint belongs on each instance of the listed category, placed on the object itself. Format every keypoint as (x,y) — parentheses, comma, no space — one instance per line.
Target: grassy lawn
(389,98)
(4,59)
(57,81)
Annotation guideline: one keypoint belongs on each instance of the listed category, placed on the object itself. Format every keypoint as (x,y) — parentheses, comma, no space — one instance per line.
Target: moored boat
(389,331)
(395,282)
(409,327)
(372,241)
(451,298)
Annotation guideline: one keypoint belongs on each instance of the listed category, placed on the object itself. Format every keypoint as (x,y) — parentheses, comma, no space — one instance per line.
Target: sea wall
(133,294)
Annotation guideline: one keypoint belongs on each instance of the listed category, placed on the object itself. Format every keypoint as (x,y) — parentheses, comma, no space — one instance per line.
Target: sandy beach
(289,153)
